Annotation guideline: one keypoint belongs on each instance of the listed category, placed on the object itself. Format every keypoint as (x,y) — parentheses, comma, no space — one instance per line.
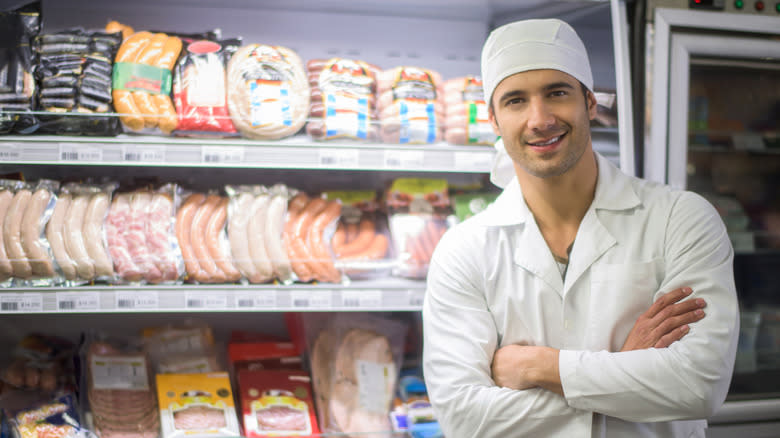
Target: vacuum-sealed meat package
(466,112)
(18,27)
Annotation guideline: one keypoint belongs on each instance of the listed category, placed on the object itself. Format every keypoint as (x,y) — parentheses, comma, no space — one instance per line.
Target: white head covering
(529,45)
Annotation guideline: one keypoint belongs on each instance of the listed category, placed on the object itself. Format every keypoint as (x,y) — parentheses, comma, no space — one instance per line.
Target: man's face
(544,120)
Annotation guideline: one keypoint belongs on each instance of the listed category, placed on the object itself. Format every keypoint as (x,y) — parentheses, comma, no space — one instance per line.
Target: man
(572,306)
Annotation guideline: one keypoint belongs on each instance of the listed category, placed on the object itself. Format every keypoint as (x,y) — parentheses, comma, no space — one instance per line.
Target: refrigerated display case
(713,123)
(442,35)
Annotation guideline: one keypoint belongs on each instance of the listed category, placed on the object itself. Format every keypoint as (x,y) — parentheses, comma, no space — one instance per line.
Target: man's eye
(558,93)
(514,101)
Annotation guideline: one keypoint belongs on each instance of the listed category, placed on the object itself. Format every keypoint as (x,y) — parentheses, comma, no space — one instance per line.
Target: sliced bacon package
(200,88)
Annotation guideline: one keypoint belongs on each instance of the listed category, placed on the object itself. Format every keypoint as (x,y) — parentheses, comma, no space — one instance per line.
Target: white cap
(530,45)
(533,45)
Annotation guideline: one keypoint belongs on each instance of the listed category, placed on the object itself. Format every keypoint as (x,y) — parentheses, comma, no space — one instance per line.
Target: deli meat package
(118,390)
(466,112)
(268,92)
(197,405)
(74,72)
(343,99)
(17,85)
(277,403)
(410,105)
(142,82)
(354,360)
(419,215)
(54,418)
(200,88)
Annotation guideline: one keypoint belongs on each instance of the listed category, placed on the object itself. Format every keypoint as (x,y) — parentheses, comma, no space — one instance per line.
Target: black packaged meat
(17,86)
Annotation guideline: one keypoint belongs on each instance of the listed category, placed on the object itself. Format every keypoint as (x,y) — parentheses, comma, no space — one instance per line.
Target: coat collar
(614,191)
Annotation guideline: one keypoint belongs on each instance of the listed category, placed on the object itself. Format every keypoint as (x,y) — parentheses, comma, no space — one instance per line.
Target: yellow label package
(196,405)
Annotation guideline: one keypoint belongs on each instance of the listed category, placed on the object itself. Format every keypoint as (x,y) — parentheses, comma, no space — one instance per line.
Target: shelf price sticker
(474,161)
(22,303)
(416,297)
(261,299)
(206,300)
(143,153)
(137,300)
(339,158)
(312,299)
(361,299)
(403,159)
(222,154)
(10,152)
(80,153)
(77,301)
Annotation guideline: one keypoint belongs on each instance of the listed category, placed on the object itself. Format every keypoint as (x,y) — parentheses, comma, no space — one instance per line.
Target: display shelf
(297,152)
(389,294)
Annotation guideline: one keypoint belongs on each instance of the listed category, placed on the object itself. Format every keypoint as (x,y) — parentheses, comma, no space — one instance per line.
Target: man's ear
(493,121)
(590,99)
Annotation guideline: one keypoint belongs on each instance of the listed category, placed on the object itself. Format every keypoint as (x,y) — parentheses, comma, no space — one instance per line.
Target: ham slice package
(277,403)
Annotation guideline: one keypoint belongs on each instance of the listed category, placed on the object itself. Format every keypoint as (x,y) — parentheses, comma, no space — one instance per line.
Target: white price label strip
(21,303)
(312,299)
(222,154)
(416,297)
(80,153)
(10,152)
(474,161)
(339,158)
(361,299)
(256,300)
(77,301)
(143,153)
(404,159)
(137,300)
(206,300)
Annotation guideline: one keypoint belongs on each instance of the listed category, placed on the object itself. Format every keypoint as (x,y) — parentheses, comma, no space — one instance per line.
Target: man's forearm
(523,367)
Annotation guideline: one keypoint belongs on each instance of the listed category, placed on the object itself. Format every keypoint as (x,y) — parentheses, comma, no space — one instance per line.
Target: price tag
(77,301)
(339,158)
(404,159)
(143,153)
(263,299)
(474,161)
(21,303)
(312,299)
(10,152)
(206,300)
(119,372)
(137,300)
(361,299)
(80,152)
(222,154)
(416,297)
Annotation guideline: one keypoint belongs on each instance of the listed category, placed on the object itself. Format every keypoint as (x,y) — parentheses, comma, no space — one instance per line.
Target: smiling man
(574,304)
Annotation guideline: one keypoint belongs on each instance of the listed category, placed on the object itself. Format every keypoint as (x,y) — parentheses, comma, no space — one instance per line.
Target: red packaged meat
(200,90)
(343,103)
(256,355)
(277,403)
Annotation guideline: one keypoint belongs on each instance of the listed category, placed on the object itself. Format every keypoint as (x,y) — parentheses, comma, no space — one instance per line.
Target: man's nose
(539,115)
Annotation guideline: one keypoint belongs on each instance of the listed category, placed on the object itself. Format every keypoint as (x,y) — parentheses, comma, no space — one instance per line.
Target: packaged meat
(117,388)
(263,355)
(468,204)
(276,403)
(201,234)
(343,102)
(410,105)
(200,89)
(186,347)
(268,92)
(197,405)
(419,214)
(33,239)
(18,27)
(466,113)
(40,363)
(142,82)
(361,239)
(247,220)
(354,361)
(54,418)
(74,71)
(308,222)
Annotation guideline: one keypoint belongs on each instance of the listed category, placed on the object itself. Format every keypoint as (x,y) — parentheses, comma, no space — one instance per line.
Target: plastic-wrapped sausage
(33,222)
(12,234)
(74,236)
(6,270)
(92,229)
(184,219)
(214,243)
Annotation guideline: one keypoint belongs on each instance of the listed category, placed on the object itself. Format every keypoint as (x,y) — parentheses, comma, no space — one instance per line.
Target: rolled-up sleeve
(690,378)
(460,338)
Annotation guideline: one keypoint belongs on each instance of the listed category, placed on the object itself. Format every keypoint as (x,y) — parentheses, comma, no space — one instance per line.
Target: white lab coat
(493,282)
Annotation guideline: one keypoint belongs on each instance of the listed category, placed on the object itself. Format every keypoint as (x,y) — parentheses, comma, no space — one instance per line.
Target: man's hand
(665,322)
(524,366)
